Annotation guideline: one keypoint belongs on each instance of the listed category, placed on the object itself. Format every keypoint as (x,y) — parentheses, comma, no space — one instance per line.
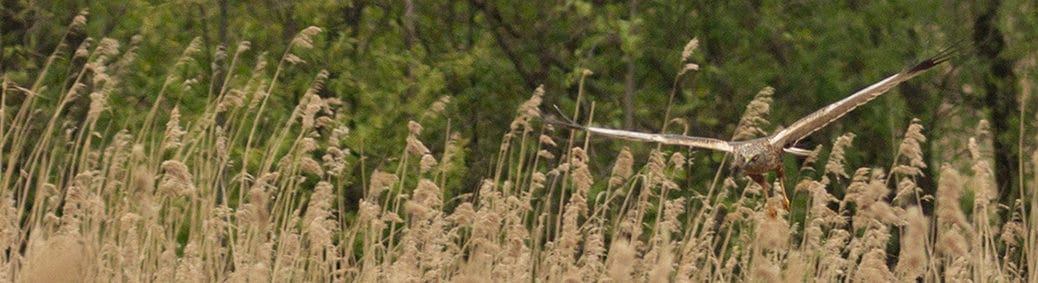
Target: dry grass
(86,201)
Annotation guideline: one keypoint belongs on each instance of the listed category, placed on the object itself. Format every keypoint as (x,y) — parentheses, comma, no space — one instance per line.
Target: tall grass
(210,199)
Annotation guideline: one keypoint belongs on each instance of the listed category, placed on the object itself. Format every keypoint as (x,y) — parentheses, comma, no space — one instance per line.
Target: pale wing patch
(797,151)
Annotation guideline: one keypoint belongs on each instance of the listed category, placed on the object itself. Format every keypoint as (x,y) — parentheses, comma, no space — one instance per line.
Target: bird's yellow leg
(782,186)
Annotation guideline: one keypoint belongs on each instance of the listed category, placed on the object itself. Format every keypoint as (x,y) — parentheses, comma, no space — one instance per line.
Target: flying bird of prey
(757,157)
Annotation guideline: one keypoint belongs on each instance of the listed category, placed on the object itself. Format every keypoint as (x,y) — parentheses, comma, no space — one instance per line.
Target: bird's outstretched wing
(707,143)
(819,119)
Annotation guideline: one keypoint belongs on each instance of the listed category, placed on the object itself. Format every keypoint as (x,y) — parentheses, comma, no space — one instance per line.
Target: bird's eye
(755,157)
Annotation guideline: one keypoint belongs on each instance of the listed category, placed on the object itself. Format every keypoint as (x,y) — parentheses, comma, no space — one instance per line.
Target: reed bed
(206,198)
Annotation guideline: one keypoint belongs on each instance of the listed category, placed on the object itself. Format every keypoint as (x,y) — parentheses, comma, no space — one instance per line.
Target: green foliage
(486,55)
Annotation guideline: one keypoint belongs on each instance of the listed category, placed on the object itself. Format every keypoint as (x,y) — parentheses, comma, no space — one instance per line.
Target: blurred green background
(390,60)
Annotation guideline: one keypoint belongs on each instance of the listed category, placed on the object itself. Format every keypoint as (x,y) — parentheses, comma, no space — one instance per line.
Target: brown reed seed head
(754,119)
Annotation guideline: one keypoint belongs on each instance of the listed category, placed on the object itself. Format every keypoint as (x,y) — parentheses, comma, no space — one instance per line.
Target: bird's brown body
(758,157)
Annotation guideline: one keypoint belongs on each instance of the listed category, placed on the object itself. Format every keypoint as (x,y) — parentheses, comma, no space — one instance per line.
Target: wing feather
(819,119)
(707,143)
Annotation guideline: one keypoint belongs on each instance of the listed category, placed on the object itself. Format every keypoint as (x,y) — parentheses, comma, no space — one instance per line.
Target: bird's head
(749,158)
(746,159)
